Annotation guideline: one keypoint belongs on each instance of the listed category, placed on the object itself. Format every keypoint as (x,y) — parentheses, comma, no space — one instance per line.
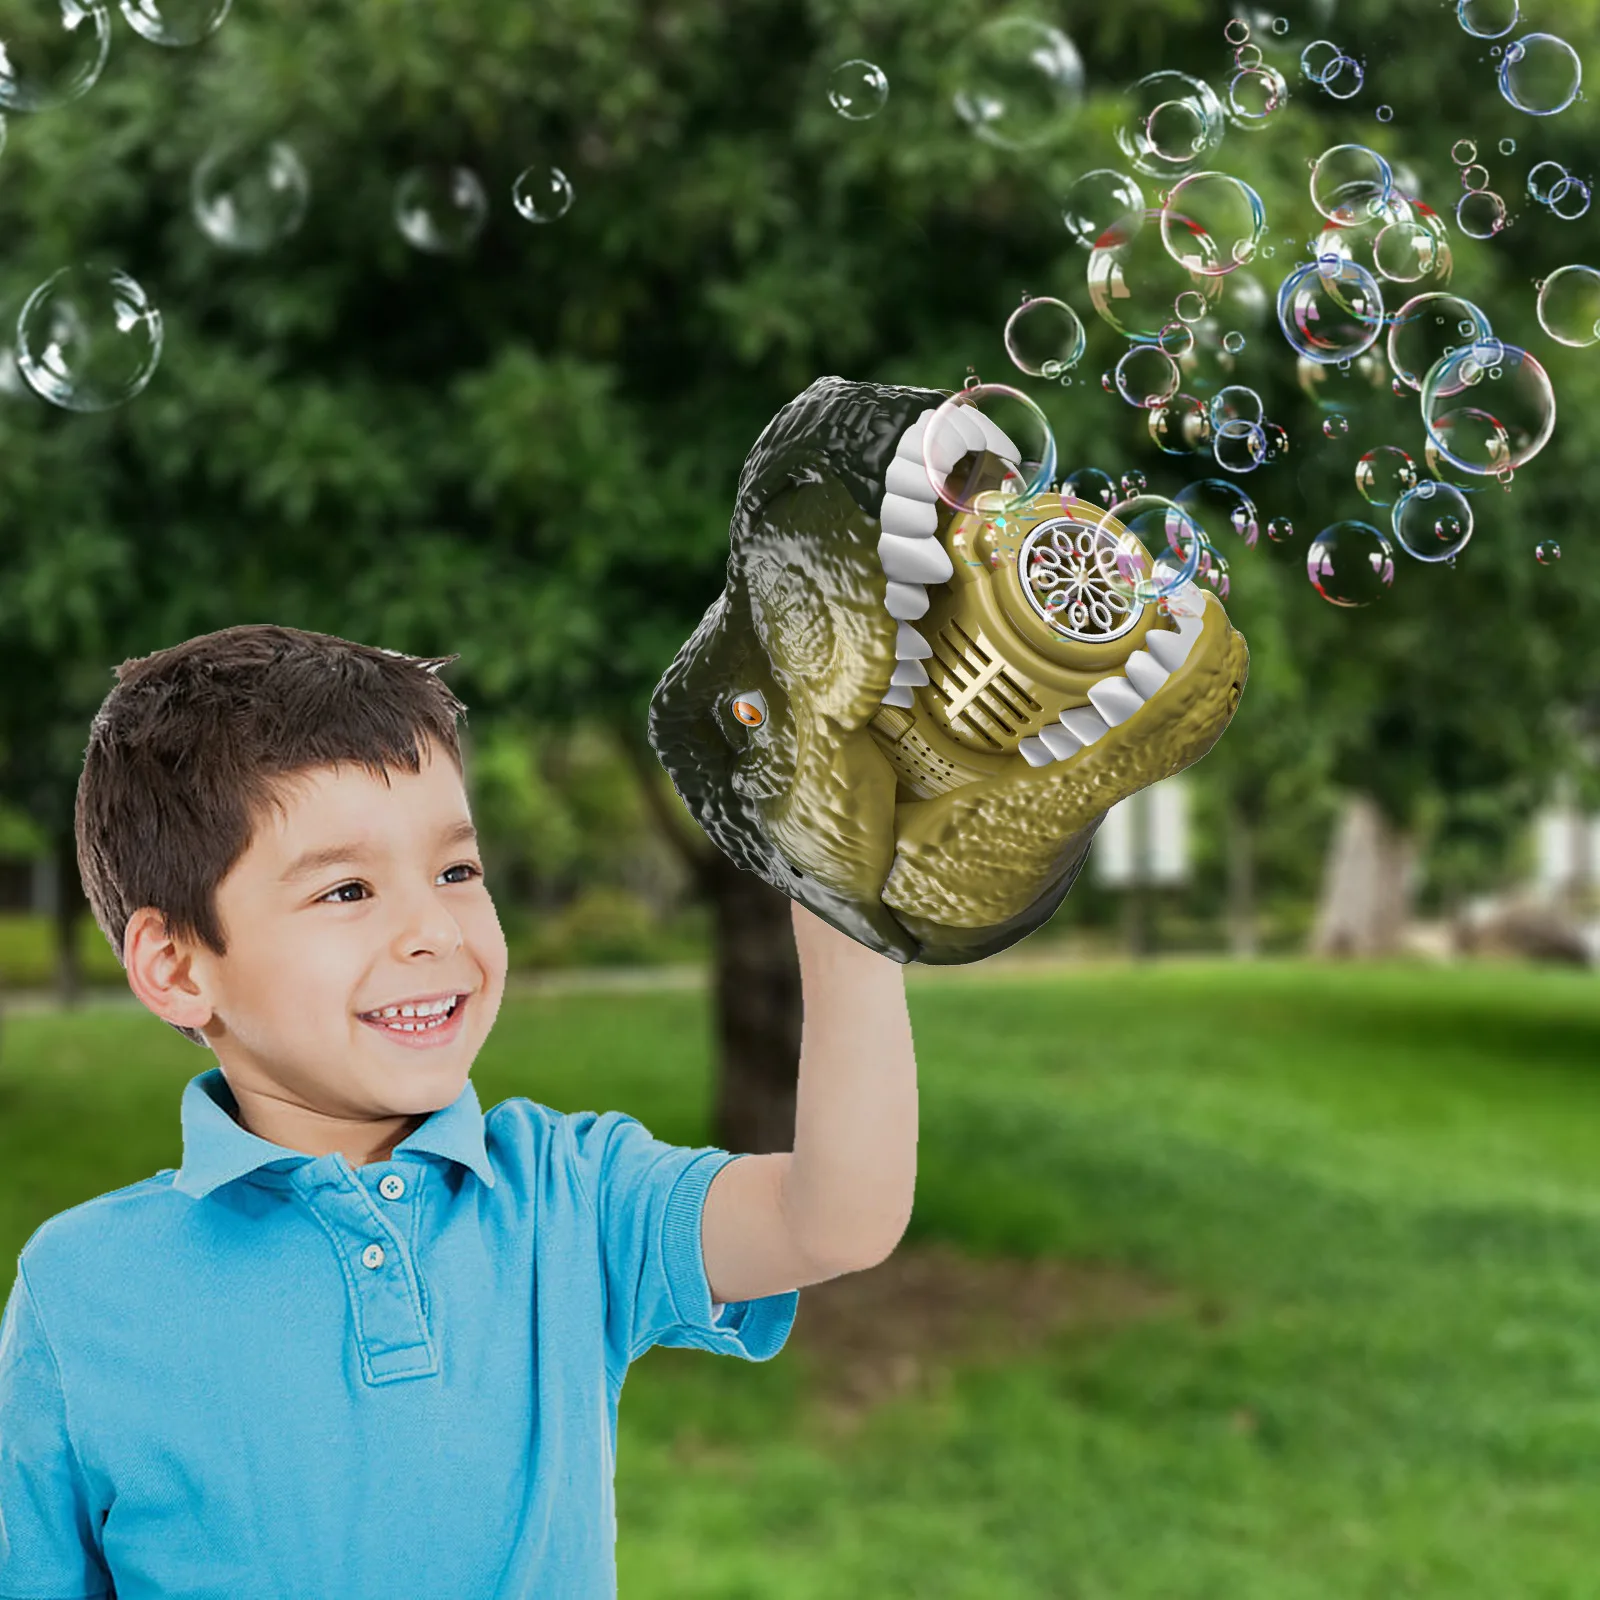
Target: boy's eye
(463,866)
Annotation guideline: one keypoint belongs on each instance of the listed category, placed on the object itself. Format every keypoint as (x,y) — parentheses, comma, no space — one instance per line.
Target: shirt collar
(216,1149)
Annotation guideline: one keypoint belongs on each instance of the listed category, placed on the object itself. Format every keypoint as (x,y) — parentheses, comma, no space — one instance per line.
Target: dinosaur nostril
(1234,692)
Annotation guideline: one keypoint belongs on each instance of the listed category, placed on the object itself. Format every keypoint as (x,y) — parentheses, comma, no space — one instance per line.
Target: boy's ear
(159,971)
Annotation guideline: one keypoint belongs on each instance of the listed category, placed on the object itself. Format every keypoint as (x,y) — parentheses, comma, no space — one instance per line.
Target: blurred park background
(1255,1215)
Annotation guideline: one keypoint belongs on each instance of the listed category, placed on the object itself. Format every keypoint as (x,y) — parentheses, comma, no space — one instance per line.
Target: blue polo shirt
(272,1376)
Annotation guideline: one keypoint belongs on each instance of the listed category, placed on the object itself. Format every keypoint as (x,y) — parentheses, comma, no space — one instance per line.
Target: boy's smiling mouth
(420,1021)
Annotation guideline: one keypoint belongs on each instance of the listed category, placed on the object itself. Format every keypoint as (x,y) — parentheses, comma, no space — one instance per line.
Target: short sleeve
(649,1198)
(48,1548)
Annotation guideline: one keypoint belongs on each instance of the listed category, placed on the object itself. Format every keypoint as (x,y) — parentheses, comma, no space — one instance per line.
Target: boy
(368,1341)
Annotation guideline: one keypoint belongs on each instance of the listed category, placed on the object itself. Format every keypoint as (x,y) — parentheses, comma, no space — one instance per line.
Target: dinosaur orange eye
(750,708)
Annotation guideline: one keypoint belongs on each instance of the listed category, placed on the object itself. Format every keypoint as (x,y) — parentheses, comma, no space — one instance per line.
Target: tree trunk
(1368,884)
(1241,850)
(69,908)
(755,987)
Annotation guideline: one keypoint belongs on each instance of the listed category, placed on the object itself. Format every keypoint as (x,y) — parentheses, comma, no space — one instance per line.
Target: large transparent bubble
(51,51)
(1384,474)
(250,196)
(1432,521)
(1019,83)
(1044,337)
(1222,509)
(1350,183)
(88,339)
(1172,539)
(1487,19)
(1350,563)
(1540,74)
(1180,426)
(989,449)
(1254,96)
(440,209)
(1489,408)
(1330,310)
(1134,282)
(175,23)
(1429,327)
(1170,124)
(1212,223)
(1569,306)
(1146,376)
(1100,200)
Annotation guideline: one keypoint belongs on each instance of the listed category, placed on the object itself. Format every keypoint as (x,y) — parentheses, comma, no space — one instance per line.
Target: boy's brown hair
(186,752)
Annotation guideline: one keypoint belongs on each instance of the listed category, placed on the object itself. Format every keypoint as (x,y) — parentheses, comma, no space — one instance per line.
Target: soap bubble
(1569,306)
(1222,510)
(1277,438)
(1349,181)
(1254,94)
(857,90)
(1090,485)
(1480,214)
(1350,563)
(51,52)
(542,194)
(1146,375)
(1044,337)
(88,339)
(1488,411)
(1318,58)
(1385,113)
(1190,306)
(1432,521)
(1330,310)
(1543,178)
(440,209)
(1134,282)
(1540,74)
(250,195)
(1343,80)
(1487,19)
(1280,529)
(1173,540)
(1508,147)
(1100,200)
(988,482)
(1133,483)
(1021,81)
(1335,427)
(1177,339)
(1570,199)
(1384,474)
(1171,123)
(1404,252)
(1236,403)
(1239,446)
(1547,552)
(1233,342)
(1181,426)
(175,22)
(1429,327)
(1474,177)
(1212,223)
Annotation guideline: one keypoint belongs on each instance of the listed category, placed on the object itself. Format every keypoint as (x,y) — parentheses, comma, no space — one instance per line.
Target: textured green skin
(807,802)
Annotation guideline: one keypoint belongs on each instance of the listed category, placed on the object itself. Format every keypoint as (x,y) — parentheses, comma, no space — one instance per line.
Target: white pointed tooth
(909,645)
(1145,673)
(964,420)
(994,435)
(1084,723)
(1190,611)
(909,479)
(1035,752)
(909,673)
(1115,699)
(910,446)
(907,519)
(902,695)
(947,447)
(914,560)
(1170,649)
(905,602)
(1059,742)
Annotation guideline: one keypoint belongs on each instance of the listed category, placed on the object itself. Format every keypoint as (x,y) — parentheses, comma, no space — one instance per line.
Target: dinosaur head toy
(884,716)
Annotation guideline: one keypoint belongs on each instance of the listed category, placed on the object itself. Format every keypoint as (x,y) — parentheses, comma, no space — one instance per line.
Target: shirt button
(372,1256)
(391,1186)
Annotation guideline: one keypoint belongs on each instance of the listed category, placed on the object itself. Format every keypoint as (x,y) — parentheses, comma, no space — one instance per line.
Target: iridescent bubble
(1569,306)
(1134,282)
(1486,417)
(1233,342)
(1547,552)
(1045,337)
(51,52)
(1254,94)
(1319,58)
(88,339)
(1543,178)
(1133,483)
(1474,177)
(1335,427)
(1236,403)
(1487,19)
(1480,214)
(1020,83)
(1239,446)
(1181,426)
(250,196)
(1177,339)
(175,22)
(1343,80)
(1384,474)
(440,209)
(1190,306)
(1432,521)
(1444,471)
(1463,152)
(1350,563)
(1212,223)
(1330,310)
(1277,437)
(1405,252)
(1173,540)
(542,194)
(1171,123)
(857,90)
(1090,485)
(1146,376)
(1385,113)
(1427,328)
(1236,30)
(1508,147)
(1101,200)
(1222,509)
(1280,530)
(1540,74)
(1350,183)
(965,457)
(1569,200)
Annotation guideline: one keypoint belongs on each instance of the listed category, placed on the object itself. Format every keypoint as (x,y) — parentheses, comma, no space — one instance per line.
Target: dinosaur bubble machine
(926,679)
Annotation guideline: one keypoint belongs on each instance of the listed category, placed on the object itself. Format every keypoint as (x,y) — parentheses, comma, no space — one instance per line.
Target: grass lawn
(1366,1202)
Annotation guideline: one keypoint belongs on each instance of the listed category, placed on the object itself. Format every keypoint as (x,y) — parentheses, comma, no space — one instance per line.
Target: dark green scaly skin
(807,801)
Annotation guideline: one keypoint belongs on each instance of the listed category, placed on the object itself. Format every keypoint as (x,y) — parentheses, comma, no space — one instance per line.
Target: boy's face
(406,917)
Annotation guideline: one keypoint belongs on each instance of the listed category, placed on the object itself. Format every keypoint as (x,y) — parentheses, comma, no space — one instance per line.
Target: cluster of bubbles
(1558,191)
(1480,212)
